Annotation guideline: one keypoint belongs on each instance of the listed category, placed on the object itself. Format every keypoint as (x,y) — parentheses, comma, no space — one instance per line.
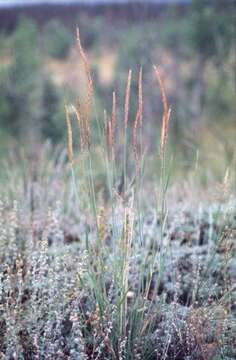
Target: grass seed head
(166,111)
(89,96)
(127,98)
(79,118)
(69,137)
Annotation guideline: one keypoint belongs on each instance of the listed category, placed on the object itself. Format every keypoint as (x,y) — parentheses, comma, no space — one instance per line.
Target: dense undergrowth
(104,265)
(65,296)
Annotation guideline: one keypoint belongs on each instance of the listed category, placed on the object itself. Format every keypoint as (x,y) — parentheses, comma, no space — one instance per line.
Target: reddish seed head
(166,112)
(88,102)
(127,98)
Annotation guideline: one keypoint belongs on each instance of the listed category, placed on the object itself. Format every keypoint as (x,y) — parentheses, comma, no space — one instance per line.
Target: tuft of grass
(131,281)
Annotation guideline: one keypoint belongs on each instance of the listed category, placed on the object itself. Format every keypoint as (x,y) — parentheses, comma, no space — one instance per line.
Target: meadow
(103,258)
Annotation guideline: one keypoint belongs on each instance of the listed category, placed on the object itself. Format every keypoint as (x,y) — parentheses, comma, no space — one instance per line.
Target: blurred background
(192,41)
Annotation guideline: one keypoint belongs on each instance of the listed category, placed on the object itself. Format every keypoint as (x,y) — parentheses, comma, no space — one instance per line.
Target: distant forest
(68,14)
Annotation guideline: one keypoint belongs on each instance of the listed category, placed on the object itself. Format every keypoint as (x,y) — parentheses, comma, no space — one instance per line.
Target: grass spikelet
(69,137)
(109,138)
(138,122)
(79,118)
(166,111)
(101,223)
(140,95)
(126,118)
(135,141)
(88,102)
(127,98)
(164,131)
(113,117)
(162,89)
